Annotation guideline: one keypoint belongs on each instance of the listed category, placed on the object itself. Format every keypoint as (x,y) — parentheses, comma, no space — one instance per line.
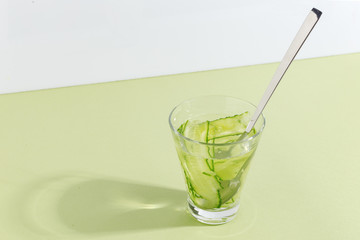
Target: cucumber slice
(228,129)
(202,183)
(228,169)
(220,130)
(208,169)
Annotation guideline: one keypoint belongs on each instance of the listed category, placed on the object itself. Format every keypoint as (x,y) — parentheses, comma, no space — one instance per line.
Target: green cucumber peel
(219,197)
(191,188)
(210,165)
(207,174)
(181,129)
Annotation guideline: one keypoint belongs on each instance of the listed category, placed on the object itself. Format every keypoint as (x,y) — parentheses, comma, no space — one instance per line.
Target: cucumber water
(214,164)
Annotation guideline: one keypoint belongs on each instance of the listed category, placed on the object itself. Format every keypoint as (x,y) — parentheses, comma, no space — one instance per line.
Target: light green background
(98,161)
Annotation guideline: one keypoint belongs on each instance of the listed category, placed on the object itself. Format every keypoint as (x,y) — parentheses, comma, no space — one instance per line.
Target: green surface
(98,161)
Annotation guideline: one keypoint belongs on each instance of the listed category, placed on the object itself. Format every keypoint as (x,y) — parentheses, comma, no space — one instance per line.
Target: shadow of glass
(99,205)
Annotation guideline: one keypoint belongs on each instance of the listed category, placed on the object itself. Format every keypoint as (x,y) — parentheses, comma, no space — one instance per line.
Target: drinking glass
(214,170)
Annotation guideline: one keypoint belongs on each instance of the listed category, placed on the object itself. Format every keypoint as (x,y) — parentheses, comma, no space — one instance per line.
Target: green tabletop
(98,161)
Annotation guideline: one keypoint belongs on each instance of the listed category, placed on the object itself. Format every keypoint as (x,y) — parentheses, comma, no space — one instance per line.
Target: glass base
(212,217)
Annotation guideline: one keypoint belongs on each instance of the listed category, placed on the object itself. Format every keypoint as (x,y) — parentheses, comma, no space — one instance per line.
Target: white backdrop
(55,43)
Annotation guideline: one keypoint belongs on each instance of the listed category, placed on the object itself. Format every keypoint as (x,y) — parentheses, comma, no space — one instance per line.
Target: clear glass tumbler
(215,167)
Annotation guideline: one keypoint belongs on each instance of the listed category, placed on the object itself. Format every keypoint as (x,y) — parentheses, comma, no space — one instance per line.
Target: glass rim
(216,144)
